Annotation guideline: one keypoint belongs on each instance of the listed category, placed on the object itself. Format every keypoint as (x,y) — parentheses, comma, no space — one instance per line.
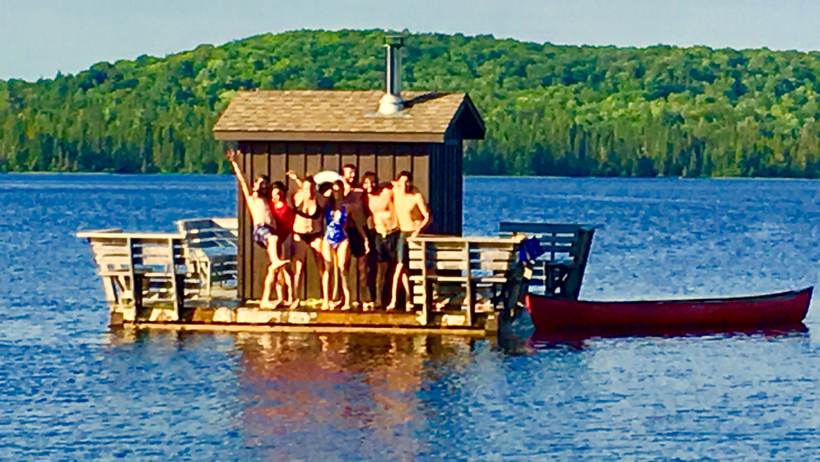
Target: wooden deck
(174,279)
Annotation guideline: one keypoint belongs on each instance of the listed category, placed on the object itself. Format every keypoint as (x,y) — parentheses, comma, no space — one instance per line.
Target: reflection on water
(577,339)
(306,396)
(362,388)
(322,397)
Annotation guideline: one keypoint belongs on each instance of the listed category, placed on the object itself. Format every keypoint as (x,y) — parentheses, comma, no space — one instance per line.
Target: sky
(40,37)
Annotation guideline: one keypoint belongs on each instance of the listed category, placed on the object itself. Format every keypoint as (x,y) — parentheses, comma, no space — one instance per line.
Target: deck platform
(176,281)
(314,320)
(226,310)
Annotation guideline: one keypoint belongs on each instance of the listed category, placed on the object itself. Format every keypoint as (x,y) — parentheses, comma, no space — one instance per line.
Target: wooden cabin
(383,131)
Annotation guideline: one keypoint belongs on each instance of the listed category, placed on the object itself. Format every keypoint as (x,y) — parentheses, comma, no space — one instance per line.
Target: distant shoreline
(547,109)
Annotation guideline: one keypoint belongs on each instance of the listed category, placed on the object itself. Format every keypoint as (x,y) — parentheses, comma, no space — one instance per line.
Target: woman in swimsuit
(336,246)
(308,229)
(283,216)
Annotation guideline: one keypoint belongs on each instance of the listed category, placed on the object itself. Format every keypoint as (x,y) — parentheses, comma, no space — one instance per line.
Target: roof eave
(295,136)
(467,121)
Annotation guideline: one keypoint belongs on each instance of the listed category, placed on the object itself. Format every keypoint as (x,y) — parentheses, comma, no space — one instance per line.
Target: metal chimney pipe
(392,101)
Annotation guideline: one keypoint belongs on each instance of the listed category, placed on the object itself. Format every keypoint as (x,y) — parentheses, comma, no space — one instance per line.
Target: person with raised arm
(413,216)
(264,226)
(308,230)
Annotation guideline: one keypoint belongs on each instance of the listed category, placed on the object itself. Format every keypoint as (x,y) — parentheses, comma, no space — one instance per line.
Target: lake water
(72,390)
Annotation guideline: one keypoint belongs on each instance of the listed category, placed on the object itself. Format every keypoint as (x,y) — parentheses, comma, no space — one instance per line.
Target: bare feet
(326,306)
(390,307)
(270,305)
(410,307)
(294,305)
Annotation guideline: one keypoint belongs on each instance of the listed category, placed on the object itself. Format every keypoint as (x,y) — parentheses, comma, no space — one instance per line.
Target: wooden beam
(365,137)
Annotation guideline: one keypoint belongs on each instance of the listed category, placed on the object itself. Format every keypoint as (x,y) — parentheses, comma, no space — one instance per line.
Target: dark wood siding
(455,153)
(278,161)
(351,155)
(436,170)
(445,188)
(421,171)
(331,157)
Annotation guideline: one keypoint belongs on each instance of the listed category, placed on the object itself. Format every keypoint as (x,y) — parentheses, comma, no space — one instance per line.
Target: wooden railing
(453,277)
(165,269)
(211,245)
(461,274)
(140,269)
(560,271)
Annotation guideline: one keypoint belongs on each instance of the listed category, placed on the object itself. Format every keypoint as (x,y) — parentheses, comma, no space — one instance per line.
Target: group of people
(339,222)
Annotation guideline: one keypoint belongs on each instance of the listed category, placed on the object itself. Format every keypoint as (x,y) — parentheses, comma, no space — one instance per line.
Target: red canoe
(783,309)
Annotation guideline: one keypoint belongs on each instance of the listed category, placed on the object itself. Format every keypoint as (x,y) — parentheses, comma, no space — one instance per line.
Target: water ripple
(74,391)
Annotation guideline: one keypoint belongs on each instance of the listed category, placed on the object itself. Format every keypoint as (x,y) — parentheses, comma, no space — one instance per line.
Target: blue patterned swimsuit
(335,228)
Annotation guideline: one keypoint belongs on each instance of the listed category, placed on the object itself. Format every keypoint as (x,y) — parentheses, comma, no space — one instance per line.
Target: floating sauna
(384,132)
(210,274)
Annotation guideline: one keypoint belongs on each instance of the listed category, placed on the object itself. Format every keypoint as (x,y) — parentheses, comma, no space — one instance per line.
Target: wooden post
(424,285)
(468,294)
(576,275)
(174,282)
(207,273)
(110,290)
(136,286)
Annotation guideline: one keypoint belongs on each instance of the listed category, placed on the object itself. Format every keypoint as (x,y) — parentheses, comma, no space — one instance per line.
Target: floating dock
(187,280)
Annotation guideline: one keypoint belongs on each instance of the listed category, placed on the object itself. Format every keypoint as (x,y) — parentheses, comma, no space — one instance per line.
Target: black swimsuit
(313,216)
(309,238)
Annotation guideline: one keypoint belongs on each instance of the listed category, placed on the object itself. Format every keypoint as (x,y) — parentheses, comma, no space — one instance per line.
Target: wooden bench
(211,249)
(560,270)
(140,269)
(448,272)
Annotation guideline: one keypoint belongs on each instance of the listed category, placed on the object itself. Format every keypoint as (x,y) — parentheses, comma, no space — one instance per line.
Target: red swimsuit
(284,217)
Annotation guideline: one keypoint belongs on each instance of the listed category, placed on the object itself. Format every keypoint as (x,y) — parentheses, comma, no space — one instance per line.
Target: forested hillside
(549,110)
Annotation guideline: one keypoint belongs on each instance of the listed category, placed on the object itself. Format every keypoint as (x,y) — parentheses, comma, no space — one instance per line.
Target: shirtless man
(413,216)
(369,186)
(386,228)
(308,230)
(264,226)
(354,201)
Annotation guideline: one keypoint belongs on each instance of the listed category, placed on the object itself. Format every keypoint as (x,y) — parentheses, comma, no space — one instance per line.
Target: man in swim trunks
(386,227)
(354,201)
(369,187)
(413,216)
(308,229)
(283,216)
(264,226)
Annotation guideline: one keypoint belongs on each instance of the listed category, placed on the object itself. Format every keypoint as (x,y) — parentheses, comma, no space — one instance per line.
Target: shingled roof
(341,115)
